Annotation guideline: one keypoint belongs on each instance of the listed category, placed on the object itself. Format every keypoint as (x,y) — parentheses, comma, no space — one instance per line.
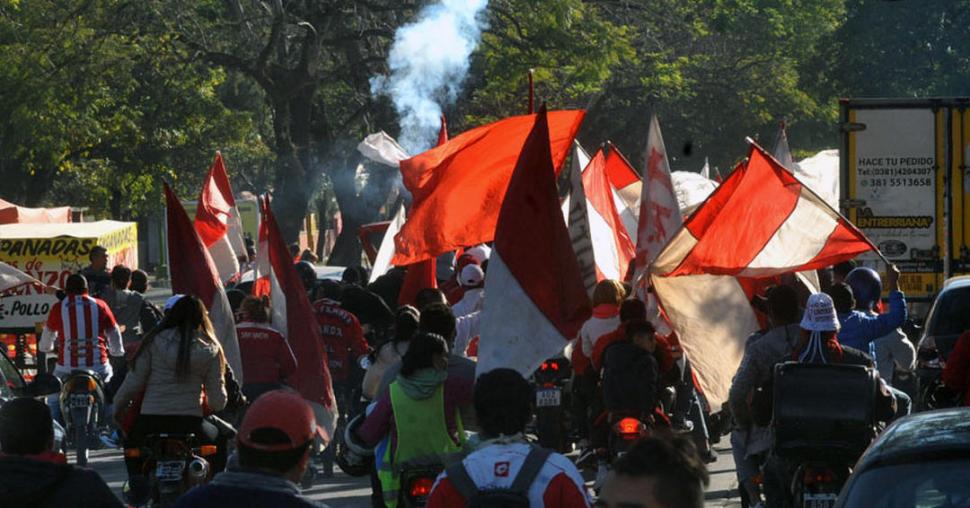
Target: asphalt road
(346,491)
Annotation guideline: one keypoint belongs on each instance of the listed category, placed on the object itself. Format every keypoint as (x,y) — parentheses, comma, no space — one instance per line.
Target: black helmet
(866,287)
(308,275)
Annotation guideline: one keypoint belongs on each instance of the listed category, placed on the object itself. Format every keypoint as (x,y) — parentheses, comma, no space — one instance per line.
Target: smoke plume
(429,60)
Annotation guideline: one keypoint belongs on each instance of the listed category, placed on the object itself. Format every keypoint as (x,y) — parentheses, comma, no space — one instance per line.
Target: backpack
(516,496)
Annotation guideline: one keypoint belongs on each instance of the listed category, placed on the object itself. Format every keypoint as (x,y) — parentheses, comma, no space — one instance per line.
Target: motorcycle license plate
(169,470)
(548,397)
(80,400)
(819,500)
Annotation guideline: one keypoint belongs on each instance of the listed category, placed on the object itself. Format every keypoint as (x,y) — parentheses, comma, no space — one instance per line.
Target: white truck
(905,183)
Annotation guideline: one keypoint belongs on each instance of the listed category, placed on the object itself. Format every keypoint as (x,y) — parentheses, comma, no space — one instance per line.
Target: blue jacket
(246,489)
(860,328)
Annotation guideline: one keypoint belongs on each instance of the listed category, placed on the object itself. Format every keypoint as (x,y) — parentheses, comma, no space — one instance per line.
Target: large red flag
(422,274)
(458,187)
(193,273)
(293,317)
(537,299)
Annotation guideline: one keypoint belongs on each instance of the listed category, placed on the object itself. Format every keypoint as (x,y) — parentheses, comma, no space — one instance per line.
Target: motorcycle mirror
(43,384)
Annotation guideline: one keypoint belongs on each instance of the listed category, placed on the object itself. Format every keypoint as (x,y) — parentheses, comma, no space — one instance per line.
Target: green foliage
(102,99)
(99,112)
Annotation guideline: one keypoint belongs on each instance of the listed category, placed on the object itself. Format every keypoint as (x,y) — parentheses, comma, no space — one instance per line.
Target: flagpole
(754,145)
(532,92)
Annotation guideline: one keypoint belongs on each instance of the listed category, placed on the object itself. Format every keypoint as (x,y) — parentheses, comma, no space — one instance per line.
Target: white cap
(471,275)
(172,300)
(480,252)
(820,314)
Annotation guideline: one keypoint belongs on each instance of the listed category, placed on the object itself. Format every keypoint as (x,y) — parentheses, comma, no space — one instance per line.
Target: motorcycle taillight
(630,428)
(814,476)
(421,487)
(81,385)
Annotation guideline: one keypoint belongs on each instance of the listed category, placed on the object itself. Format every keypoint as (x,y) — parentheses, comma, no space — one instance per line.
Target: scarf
(818,347)
(421,384)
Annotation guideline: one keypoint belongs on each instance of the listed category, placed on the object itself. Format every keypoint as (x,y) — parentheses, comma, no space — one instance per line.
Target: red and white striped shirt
(84,331)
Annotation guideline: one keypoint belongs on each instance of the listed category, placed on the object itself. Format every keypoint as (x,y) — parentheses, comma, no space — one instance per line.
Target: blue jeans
(688,406)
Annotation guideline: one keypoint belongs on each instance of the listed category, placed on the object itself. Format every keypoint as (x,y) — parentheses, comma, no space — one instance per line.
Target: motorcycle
(823,418)
(82,407)
(551,422)
(174,463)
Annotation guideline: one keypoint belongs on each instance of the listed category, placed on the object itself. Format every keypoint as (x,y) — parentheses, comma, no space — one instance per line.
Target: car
(944,324)
(12,385)
(245,283)
(919,461)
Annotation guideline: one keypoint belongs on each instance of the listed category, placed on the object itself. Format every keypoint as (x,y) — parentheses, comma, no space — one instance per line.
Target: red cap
(283,410)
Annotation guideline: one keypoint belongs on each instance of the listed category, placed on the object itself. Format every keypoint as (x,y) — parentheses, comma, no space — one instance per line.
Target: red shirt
(956,371)
(342,336)
(83,326)
(266,356)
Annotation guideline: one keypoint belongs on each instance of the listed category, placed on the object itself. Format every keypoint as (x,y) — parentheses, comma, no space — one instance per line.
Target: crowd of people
(403,372)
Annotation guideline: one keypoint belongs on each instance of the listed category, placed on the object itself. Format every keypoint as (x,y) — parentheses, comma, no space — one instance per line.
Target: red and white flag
(217,221)
(575,210)
(659,211)
(293,317)
(612,247)
(627,188)
(11,279)
(194,273)
(537,301)
(761,222)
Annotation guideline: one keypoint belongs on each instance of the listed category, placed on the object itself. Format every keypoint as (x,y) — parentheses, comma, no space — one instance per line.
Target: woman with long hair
(267,359)
(419,411)
(174,379)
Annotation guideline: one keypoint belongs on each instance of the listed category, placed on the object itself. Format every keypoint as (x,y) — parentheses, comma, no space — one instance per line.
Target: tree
(715,71)
(99,112)
(901,49)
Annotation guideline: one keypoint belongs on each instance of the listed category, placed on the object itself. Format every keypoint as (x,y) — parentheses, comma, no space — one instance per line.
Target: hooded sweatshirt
(42,482)
(419,385)
(606,318)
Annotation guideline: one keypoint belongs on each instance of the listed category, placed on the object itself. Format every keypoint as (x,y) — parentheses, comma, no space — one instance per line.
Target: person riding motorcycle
(267,358)
(818,343)
(84,333)
(631,374)
(892,349)
(419,412)
(175,378)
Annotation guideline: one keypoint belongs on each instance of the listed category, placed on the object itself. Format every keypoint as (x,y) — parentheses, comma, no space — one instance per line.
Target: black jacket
(30,483)
(631,379)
